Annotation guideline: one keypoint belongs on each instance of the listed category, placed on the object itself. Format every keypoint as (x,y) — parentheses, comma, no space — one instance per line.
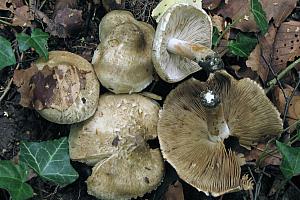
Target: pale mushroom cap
(184,22)
(77,91)
(184,137)
(113,19)
(115,140)
(123,61)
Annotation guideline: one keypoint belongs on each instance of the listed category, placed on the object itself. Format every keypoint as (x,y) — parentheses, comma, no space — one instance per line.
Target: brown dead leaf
(293,113)
(113,4)
(56,87)
(240,9)
(174,192)
(67,22)
(210,4)
(62,4)
(287,44)
(245,73)
(218,22)
(275,49)
(222,47)
(22,16)
(10,4)
(256,152)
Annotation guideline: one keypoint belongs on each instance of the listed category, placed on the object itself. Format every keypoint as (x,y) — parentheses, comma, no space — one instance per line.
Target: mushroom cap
(183,22)
(123,61)
(184,138)
(115,140)
(76,93)
(113,19)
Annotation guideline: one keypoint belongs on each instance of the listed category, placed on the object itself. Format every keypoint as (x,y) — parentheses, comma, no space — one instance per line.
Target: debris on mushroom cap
(63,90)
(123,60)
(187,24)
(198,157)
(115,141)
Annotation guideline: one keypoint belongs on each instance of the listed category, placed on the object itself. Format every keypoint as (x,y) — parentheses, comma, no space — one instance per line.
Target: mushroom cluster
(114,141)
(123,60)
(196,119)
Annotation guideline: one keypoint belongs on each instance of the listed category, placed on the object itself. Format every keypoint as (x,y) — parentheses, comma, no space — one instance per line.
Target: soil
(18,123)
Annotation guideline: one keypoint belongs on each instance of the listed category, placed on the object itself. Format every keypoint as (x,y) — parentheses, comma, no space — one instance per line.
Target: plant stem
(226,29)
(5,22)
(273,82)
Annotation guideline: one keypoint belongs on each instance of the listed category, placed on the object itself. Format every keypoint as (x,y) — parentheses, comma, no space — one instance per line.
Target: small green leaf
(49,159)
(13,179)
(259,15)
(7,56)
(23,41)
(215,36)
(290,165)
(243,45)
(39,42)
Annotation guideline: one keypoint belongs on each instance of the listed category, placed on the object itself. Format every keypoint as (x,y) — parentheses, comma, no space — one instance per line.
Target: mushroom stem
(204,56)
(216,124)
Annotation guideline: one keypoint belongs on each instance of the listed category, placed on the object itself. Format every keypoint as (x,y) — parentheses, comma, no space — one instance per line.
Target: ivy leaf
(243,45)
(7,56)
(23,41)
(49,159)
(290,165)
(259,15)
(39,42)
(13,179)
(163,6)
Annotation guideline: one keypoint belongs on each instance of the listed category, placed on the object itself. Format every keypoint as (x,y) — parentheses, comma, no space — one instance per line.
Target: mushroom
(114,141)
(63,89)
(182,43)
(123,60)
(196,119)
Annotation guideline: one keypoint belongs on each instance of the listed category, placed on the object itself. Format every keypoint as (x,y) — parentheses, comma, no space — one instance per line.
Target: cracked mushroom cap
(185,140)
(71,90)
(184,22)
(123,60)
(114,141)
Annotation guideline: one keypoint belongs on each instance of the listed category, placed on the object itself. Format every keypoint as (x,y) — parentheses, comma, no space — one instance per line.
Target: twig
(273,82)
(10,82)
(5,22)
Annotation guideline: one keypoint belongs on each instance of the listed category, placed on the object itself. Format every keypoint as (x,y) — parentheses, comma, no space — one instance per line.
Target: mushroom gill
(192,134)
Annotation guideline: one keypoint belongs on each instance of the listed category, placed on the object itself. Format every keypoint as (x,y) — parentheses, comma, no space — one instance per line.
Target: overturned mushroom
(182,43)
(123,60)
(114,141)
(198,116)
(63,89)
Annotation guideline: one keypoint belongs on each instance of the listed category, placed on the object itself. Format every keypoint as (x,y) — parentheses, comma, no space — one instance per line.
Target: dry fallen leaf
(293,113)
(240,9)
(245,72)
(255,153)
(56,87)
(275,49)
(174,192)
(222,47)
(22,17)
(113,4)
(210,4)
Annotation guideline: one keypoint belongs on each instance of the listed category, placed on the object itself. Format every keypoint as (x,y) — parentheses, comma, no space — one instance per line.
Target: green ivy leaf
(13,179)
(39,42)
(23,41)
(290,165)
(243,45)
(259,15)
(49,159)
(7,56)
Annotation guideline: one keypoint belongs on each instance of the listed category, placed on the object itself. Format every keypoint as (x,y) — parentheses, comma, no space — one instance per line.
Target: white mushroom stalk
(199,53)
(218,129)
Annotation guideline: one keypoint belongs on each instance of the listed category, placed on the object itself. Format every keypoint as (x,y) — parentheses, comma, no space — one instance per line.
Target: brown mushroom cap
(115,140)
(123,60)
(76,92)
(184,137)
(186,23)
